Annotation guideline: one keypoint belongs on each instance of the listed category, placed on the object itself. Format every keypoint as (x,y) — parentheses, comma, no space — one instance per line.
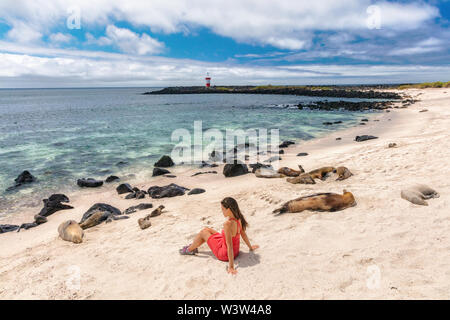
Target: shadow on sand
(243,260)
(247,259)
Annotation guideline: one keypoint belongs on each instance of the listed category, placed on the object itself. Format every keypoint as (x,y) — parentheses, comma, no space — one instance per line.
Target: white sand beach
(383,248)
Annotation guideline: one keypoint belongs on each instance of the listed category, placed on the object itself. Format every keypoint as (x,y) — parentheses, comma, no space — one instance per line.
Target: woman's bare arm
(247,242)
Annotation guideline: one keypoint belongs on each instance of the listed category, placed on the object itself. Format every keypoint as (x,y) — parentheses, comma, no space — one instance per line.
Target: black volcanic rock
(8,228)
(302,154)
(286,144)
(208,165)
(164,162)
(89,183)
(234,169)
(124,188)
(159,172)
(53,204)
(196,191)
(25,177)
(142,206)
(171,190)
(364,138)
(203,172)
(131,196)
(112,179)
(59,197)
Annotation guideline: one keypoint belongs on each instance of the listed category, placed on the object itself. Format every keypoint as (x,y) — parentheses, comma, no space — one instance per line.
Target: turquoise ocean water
(60,135)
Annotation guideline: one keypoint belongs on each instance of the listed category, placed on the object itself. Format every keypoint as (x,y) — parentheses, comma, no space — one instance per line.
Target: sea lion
(71,231)
(319,202)
(321,173)
(418,193)
(144,223)
(93,220)
(343,173)
(157,211)
(291,172)
(267,173)
(304,178)
(98,213)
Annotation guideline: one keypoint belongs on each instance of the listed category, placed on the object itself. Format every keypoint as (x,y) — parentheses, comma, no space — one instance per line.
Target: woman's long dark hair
(230,203)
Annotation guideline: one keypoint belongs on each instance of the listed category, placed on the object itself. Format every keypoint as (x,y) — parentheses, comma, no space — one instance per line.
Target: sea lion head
(348,198)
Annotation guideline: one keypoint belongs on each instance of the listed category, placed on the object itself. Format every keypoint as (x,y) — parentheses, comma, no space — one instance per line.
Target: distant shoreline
(363,92)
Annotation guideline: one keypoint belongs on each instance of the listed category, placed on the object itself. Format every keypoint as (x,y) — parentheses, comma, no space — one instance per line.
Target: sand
(383,248)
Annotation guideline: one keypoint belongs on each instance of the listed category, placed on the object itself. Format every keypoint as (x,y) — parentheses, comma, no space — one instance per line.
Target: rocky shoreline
(347,106)
(363,92)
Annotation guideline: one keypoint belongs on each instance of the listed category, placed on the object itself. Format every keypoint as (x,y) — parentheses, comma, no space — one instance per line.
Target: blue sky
(68,43)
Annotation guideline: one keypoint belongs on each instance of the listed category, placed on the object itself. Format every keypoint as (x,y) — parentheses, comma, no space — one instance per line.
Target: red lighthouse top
(208,80)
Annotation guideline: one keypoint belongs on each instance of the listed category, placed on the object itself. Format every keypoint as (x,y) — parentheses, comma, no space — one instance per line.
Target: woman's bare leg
(201,238)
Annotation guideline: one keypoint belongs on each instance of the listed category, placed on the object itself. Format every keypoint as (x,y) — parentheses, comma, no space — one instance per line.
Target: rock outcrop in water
(24,178)
(165,162)
(89,183)
(345,105)
(329,91)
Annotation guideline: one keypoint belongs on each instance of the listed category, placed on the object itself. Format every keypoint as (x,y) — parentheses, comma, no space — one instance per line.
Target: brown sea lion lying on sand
(304,178)
(319,202)
(144,223)
(343,173)
(321,173)
(71,231)
(291,172)
(418,193)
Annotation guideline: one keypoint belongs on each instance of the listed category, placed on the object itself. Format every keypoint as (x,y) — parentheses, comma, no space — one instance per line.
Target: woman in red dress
(225,245)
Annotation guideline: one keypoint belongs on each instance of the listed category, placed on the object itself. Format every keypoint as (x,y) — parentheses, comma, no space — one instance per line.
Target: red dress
(218,244)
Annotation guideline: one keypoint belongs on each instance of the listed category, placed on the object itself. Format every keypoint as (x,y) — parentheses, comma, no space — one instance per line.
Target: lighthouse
(208,80)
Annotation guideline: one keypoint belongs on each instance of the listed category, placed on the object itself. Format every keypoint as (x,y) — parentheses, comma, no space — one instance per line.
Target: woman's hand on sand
(231,270)
(254,247)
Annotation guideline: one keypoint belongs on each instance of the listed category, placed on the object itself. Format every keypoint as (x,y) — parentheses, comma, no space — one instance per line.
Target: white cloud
(127,41)
(68,68)
(425,46)
(280,23)
(131,42)
(23,33)
(60,38)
